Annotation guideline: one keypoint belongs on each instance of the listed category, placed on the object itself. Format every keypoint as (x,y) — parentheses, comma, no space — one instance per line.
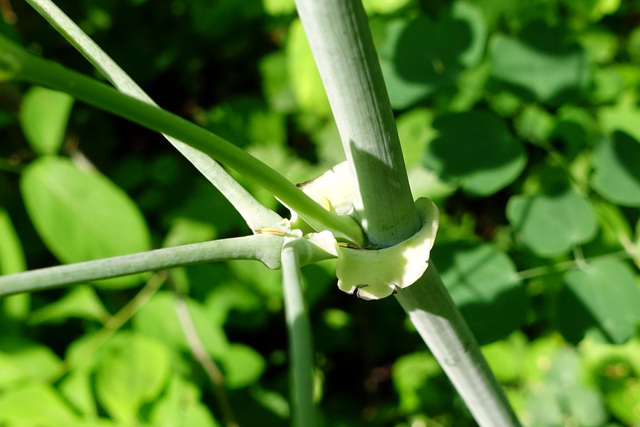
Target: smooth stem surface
(301,357)
(440,324)
(262,247)
(15,62)
(343,49)
(256,215)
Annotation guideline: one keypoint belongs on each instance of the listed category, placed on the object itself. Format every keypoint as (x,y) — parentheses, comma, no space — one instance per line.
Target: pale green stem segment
(343,49)
(256,215)
(300,346)
(15,62)
(260,247)
(440,324)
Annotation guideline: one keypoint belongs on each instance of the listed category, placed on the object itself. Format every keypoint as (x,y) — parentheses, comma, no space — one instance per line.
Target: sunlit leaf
(133,371)
(617,175)
(602,296)
(180,406)
(43,117)
(483,283)
(553,221)
(81,215)
(36,404)
(158,319)
(242,366)
(81,302)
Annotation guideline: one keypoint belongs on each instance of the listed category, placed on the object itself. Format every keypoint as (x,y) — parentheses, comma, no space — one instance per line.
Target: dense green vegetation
(519,119)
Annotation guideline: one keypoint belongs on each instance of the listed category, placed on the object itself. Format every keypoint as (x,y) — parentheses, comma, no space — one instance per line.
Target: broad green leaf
(420,57)
(36,404)
(476,151)
(412,378)
(563,397)
(541,63)
(242,366)
(617,175)
(384,7)
(279,7)
(623,116)
(43,117)
(76,387)
(483,283)
(505,357)
(133,371)
(158,319)
(81,302)
(275,85)
(550,223)
(303,73)
(603,296)
(38,362)
(180,406)
(12,261)
(534,124)
(624,401)
(11,255)
(81,215)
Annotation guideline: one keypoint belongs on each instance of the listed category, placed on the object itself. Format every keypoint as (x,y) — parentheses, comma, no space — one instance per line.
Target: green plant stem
(262,247)
(564,266)
(300,345)
(15,62)
(343,49)
(256,215)
(439,322)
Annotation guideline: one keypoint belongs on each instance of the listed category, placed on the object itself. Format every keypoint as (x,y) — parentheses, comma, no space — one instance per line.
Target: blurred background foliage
(519,118)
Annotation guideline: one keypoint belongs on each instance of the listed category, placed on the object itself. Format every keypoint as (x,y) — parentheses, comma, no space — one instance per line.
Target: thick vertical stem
(352,77)
(344,52)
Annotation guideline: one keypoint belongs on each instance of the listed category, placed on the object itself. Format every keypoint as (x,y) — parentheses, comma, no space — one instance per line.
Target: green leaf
(563,397)
(242,366)
(420,57)
(81,302)
(623,116)
(35,404)
(158,319)
(303,73)
(483,283)
(76,387)
(12,261)
(603,296)
(552,222)
(133,371)
(384,7)
(540,63)
(617,175)
(476,151)
(81,215)
(39,362)
(180,406)
(43,117)
(412,378)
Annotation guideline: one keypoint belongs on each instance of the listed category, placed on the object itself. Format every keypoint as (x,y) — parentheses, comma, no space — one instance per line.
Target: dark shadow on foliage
(627,151)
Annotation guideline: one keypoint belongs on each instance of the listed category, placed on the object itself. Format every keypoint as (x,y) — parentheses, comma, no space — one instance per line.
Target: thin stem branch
(256,215)
(17,63)
(566,265)
(261,247)
(300,346)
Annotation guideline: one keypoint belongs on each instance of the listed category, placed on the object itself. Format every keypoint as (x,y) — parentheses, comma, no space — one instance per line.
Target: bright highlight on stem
(16,63)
